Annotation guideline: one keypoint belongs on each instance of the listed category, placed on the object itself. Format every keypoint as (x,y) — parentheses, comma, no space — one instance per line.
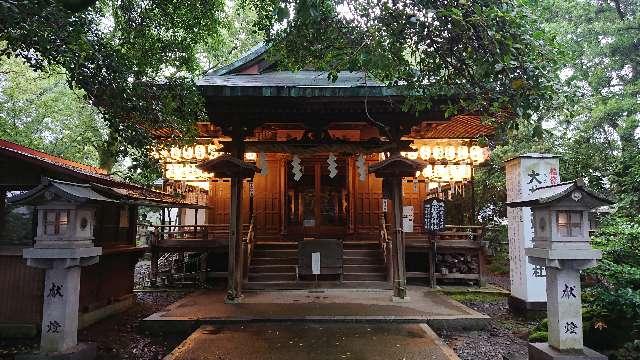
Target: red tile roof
(459,127)
(90,174)
(39,156)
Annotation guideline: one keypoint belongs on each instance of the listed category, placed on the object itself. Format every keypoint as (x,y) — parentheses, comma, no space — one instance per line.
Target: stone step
(276,246)
(260,261)
(300,285)
(362,253)
(375,268)
(360,245)
(265,269)
(362,260)
(272,277)
(364,277)
(259,253)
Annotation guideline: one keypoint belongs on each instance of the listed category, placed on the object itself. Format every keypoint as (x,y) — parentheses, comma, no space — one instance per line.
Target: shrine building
(291,163)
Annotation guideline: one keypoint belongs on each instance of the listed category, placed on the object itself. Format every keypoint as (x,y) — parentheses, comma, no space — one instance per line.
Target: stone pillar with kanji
(524,174)
(561,244)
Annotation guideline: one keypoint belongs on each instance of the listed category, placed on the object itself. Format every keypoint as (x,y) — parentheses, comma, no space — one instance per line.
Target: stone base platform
(542,351)
(317,306)
(82,351)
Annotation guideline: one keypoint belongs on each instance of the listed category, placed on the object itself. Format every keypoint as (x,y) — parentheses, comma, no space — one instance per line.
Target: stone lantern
(561,243)
(62,245)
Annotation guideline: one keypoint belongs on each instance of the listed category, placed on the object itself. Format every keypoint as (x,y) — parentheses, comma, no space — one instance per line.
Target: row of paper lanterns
(185,172)
(446,173)
(195,152)
(462,153)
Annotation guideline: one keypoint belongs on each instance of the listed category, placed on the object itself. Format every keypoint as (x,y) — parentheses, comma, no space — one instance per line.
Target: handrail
(385,246)
(248,244)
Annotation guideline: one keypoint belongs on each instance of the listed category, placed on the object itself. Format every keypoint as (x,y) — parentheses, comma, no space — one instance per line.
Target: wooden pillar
(398,254)
(235,268)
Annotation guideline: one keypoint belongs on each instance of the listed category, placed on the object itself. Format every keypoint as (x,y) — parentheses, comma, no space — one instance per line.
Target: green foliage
(538,336)
(477,297)
(485,55)
(630,351)
(612,295)
(135,60)
(39,110)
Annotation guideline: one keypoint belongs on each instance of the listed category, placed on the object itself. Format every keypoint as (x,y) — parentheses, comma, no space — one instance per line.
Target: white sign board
(315,263)
(524,174)
(407,218)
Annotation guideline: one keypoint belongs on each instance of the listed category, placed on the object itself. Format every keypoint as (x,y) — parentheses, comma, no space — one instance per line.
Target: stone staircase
(273,266)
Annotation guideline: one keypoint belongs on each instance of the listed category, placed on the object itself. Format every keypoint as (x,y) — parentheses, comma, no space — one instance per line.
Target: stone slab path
(304,341)
(424,306)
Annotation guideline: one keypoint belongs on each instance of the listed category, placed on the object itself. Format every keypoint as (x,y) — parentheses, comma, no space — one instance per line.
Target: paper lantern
(463,152)
(438,152)
(476,154)
(176,153)
(427,172)
(450,152)
(200,152)
(187,152)
(425,152)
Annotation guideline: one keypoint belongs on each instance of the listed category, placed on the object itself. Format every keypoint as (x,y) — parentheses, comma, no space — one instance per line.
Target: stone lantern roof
(554,194)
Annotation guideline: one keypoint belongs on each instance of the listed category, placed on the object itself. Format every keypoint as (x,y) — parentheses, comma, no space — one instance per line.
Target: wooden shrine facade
(311,142)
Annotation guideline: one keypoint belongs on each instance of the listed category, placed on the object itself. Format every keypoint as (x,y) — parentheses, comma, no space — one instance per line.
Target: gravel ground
(118,337)
(506,334)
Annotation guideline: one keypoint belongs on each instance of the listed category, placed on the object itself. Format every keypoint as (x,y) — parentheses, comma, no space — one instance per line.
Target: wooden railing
(205,232)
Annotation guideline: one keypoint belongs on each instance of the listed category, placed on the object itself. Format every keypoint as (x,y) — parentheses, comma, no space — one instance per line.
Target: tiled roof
(459,127)
(97,177)
(36,156)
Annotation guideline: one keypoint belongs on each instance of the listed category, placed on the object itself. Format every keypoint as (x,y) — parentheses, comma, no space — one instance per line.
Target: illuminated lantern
(467,171)
(417,174)
(381,156)
(440,172)
(187,152)
(438,152)
(476,154)
(463,152)
(164,153)
(211,149)
(450,152)
(251,156)
(425,152)
(200,152)
(176,153)
(413,155)
(427,172)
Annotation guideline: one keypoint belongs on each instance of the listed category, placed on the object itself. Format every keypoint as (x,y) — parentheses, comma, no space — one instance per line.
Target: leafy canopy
(135,60)
(487,56)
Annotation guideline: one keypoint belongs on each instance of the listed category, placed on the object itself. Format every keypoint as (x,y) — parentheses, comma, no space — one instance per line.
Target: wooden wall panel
(22,289)
(368,195)
(413,194)
(219,202)
(268,200)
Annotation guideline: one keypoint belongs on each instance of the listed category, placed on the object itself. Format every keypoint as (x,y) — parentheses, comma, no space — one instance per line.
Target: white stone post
(61,297)
(524,174)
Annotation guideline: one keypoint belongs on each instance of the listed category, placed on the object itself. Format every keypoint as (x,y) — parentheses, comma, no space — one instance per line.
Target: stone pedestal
(59,335)
(564,304)
(542,351)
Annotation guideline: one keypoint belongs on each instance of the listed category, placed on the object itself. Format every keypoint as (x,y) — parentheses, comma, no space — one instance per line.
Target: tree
(487,56)
(39,110)
(136,61)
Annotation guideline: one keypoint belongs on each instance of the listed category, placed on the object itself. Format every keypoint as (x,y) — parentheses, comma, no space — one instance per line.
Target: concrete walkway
(301,341)
(368,306)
